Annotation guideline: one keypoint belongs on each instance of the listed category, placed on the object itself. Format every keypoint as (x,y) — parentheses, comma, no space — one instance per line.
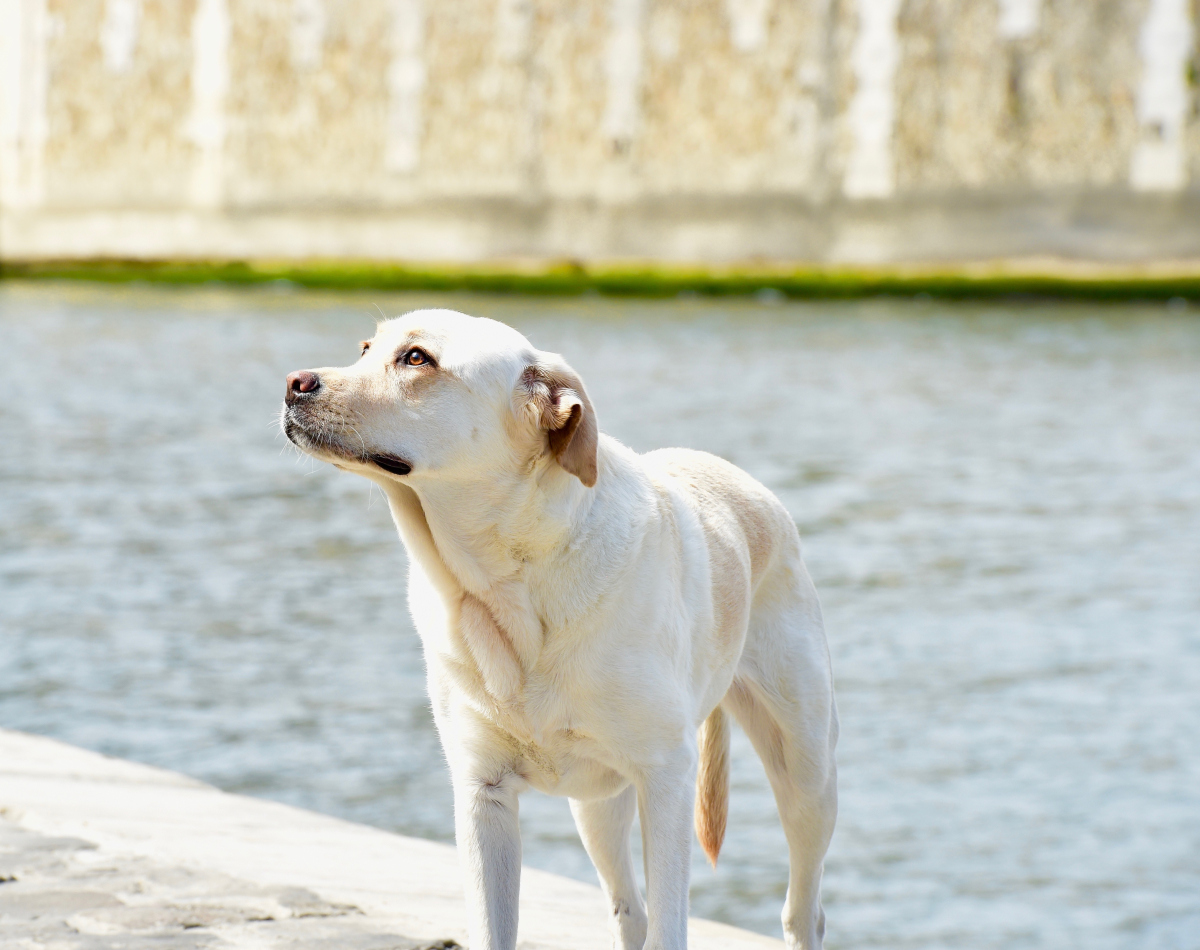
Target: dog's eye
(365,346)
(416,357)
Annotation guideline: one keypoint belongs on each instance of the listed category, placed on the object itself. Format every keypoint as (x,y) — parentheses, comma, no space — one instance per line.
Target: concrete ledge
(98,852)
(1047,278)
(472,223)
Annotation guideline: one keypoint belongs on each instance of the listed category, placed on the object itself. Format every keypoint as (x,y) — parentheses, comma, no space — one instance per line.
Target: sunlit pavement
(95,850)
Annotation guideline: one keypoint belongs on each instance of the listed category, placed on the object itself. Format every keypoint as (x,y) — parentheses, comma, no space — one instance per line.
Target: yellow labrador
(589,617)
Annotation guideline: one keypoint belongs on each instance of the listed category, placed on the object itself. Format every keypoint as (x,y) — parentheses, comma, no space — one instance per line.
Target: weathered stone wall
(703,130)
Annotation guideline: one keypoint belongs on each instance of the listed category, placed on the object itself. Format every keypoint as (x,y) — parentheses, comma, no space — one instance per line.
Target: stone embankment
(855,132)
(101,853)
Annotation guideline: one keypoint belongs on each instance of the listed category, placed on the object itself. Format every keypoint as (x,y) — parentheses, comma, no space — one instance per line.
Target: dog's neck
(487,534)
(498,556)
(482,548)
(485,540)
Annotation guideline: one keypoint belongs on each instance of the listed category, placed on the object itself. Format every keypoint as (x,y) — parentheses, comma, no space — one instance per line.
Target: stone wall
(671,130)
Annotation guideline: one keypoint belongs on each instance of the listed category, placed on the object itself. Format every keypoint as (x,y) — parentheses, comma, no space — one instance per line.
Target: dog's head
(439,394)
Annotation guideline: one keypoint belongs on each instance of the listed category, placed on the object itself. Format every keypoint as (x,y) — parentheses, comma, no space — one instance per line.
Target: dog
(590,618)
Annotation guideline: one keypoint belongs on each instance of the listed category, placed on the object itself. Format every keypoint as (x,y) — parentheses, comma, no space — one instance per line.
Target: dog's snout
(301,382)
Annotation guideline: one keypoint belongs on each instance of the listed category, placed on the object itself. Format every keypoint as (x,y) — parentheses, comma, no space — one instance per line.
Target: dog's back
(735,508)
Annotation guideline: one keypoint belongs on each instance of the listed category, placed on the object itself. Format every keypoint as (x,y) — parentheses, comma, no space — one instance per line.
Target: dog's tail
(712,783)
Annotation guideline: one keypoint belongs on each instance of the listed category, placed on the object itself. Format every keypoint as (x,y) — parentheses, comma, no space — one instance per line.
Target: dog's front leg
(489,851)
(665,802)
(604,826)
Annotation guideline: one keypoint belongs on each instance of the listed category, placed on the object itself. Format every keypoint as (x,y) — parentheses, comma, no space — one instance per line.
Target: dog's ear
(560,405)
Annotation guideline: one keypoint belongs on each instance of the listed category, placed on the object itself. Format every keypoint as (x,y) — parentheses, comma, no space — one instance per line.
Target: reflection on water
(1000,506)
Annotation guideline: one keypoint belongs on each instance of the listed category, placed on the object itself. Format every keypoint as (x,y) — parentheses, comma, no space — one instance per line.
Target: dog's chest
(554,748)
(522,674)
(543,718)
(567,763)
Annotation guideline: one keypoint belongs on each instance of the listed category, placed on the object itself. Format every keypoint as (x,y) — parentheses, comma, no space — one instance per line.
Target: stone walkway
(65,892)
(100,853)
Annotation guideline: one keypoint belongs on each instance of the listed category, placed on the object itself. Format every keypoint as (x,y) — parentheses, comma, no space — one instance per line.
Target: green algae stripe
(628,281)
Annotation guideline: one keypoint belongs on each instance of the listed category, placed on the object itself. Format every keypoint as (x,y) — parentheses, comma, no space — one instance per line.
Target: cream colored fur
(588,616)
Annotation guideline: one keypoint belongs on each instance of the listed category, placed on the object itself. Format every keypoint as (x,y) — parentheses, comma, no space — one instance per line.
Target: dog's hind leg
(782,696)
(604,825)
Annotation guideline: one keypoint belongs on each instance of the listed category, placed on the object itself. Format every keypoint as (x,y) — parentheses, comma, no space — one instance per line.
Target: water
(1000,506)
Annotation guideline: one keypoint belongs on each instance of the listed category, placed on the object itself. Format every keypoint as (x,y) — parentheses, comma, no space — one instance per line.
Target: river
(1000,505)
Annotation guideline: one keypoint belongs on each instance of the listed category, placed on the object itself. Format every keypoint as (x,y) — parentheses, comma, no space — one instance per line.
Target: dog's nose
(301,382)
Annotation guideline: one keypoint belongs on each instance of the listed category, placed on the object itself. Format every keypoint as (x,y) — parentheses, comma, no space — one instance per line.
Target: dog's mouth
(389,463)
(321,443)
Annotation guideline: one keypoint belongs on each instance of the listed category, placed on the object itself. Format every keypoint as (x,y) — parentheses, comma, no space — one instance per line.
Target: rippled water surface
(1000,506)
